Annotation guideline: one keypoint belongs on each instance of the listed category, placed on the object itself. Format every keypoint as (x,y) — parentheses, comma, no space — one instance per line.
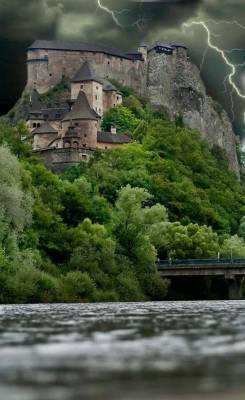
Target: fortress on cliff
(50,61)
(67,133)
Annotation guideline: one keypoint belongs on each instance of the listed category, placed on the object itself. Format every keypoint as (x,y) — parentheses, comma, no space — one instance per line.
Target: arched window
(34,125)
(67,144)
(76,144)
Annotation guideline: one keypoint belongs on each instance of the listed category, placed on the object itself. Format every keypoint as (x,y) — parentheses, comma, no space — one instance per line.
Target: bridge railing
(209,261)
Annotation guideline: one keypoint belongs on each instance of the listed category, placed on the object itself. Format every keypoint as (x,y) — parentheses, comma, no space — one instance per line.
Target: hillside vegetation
(95,232)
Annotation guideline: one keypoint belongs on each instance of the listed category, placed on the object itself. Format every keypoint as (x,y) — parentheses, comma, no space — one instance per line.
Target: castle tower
(43,136)
(35,117)
(80,125)
(143,49)
(111,96)
(86,80)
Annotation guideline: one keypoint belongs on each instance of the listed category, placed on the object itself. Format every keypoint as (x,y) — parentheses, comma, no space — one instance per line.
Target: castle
(163,73)
(68,133)
(50,61)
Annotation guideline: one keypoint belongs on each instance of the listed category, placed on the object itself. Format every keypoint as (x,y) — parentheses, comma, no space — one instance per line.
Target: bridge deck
(199,268)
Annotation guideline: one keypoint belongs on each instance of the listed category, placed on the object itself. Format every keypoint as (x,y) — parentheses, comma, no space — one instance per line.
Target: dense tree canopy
(95,232)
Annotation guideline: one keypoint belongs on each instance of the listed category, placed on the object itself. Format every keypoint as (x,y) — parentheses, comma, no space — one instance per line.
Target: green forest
(94,233)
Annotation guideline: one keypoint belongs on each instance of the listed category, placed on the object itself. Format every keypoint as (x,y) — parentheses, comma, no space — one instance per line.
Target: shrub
(78,286)
(121,118)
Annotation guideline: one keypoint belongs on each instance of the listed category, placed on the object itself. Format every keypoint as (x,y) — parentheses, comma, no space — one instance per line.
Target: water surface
(153,351)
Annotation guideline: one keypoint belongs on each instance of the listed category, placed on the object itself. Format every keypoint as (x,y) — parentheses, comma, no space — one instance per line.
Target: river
(132,351)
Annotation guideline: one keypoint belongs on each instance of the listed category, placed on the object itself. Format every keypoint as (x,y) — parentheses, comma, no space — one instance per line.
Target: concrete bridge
(233,270)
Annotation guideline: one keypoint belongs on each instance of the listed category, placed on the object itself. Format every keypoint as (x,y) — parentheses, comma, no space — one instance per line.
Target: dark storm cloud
(26,19)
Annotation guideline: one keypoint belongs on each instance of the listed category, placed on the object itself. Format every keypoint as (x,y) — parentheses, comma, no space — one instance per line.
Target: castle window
(97,87)
(84,145)
(76,124)
(58,116)
(50,74)
(108,62)
(67,144)
(34,125)
(84,157)
(96,97)
(76,144)
(81,86)
(38,125)
(85,135)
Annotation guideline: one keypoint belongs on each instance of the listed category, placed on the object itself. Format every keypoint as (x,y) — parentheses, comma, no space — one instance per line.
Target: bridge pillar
(235,287)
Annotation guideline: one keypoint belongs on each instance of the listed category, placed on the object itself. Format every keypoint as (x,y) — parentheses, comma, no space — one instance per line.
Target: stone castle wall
(111,99)
(60,159)
(47,67)
(43,140)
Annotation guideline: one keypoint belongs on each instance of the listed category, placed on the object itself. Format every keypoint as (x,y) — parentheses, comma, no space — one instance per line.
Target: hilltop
(162,73)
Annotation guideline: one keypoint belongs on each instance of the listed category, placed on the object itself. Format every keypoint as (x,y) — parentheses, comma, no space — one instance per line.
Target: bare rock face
(175,86)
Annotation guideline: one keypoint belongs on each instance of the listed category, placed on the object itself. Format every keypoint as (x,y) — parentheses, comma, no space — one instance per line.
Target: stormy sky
(22,21)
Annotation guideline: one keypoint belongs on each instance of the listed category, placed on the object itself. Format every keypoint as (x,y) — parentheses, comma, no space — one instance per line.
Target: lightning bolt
(112,13)
(115,14)
(223,53)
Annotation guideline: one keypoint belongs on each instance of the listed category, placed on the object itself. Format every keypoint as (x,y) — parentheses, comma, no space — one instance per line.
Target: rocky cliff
(176,87)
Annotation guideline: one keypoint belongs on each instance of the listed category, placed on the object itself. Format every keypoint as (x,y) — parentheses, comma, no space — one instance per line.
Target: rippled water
(172,350)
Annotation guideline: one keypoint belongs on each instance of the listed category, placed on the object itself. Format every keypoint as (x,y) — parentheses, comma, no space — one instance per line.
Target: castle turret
(86,80)
(80,125)
(43,136)
(35,118)
(143,49)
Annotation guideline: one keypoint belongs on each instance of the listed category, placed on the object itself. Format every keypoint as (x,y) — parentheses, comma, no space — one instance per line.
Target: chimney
(113,130)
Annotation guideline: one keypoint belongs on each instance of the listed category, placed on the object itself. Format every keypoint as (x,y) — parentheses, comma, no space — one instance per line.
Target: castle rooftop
(44,128)
(81,47)
(81,110)
(85,73)
(108,86)
(112,138)
(167,46)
